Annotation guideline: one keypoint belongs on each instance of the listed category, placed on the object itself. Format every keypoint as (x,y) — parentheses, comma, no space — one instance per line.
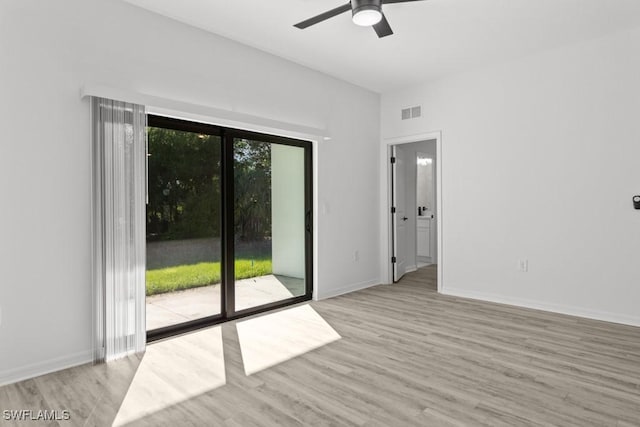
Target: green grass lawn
(203,274)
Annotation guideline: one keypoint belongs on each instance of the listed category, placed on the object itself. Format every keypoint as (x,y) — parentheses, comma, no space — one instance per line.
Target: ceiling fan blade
(323,16)
(383,28)
(397,1)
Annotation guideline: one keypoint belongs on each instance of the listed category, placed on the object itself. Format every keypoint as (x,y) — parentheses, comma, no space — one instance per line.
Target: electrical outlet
(523,265)
(356,256)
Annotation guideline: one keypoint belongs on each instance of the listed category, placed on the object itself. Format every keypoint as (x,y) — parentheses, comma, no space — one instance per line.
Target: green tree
(184,185)
(252,188)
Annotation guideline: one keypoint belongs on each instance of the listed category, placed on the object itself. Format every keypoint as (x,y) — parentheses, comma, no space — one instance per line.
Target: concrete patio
(181,306)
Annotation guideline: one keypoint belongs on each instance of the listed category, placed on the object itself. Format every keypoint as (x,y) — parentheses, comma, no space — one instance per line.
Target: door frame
(387,232)
(228,232)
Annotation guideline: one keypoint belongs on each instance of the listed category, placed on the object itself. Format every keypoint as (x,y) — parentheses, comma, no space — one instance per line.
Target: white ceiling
(432,38)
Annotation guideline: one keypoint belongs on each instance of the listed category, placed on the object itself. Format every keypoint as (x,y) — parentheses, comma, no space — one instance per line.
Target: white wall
(287,210)
(539,162)
(48,50)
(422,191)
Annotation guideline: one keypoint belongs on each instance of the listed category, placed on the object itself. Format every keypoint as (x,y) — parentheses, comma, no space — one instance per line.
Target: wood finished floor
(408,356)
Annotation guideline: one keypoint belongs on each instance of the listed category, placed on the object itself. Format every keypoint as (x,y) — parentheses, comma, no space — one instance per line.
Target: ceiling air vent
(411,112)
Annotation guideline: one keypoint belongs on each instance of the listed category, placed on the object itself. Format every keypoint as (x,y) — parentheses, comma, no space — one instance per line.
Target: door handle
(404,218)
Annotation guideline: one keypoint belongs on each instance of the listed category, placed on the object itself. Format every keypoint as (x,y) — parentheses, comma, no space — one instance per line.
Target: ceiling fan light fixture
(367,16)
(366,12)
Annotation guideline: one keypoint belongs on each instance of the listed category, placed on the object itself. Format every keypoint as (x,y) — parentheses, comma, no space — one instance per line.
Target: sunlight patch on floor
(173,371)
(274,338)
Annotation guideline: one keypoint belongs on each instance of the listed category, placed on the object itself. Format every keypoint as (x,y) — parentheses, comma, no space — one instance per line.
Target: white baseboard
(411,268)
(544,306)
(45,367)
(349,288)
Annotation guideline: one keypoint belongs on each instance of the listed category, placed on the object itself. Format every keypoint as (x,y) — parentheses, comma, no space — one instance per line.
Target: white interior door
(399,217)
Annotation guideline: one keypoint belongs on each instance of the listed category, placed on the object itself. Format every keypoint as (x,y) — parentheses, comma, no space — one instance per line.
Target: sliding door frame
(227,232)
(229,220)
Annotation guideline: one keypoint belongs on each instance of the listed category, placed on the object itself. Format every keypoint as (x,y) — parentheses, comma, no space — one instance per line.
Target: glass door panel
(183,227)
(269,223)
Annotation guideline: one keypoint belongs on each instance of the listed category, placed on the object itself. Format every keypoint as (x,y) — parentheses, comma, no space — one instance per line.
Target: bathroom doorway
(414,209)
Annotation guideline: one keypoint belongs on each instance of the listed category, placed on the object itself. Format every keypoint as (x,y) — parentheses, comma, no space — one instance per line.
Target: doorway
(414,205)
(228,224)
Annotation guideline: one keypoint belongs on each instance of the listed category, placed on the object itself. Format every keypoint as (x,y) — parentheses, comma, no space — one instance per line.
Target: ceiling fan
(365,13)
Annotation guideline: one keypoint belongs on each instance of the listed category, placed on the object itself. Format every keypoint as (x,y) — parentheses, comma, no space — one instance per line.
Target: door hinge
(393,259)
(393,160)
(393,209)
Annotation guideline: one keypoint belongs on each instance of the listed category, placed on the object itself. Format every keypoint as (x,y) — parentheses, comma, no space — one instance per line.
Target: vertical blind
(119,203)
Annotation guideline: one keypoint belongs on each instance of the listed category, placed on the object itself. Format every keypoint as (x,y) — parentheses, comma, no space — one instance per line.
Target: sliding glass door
(183,225)
(270,212)
(228,224)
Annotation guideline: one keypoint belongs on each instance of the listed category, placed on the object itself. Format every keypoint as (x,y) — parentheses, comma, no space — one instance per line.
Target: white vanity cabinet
(424,236)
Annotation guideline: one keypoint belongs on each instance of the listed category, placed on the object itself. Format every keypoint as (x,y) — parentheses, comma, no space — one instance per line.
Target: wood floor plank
(407,356)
